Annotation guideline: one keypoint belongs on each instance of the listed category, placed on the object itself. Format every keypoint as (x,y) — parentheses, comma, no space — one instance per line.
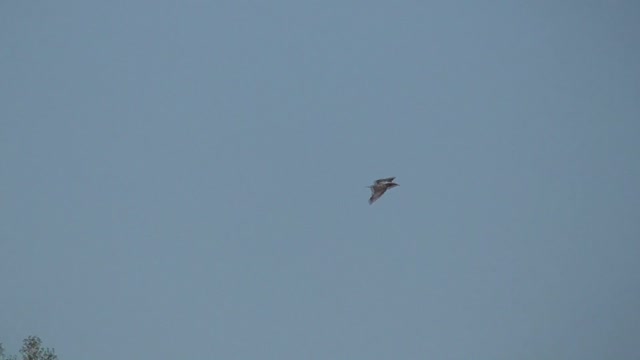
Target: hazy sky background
(187,179)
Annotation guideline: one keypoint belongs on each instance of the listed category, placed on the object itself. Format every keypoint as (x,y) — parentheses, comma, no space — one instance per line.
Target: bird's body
(379,187)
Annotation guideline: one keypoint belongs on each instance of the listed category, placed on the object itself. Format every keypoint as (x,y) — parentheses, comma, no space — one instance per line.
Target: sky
(188,179)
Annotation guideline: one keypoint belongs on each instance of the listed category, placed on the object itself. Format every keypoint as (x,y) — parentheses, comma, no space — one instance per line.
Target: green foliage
(31,350)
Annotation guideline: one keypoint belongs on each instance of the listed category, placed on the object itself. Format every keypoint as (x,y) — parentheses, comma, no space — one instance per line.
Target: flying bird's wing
(375,194)
(385,180)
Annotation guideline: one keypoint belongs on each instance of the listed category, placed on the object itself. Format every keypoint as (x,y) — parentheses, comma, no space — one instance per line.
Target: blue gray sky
(188,179)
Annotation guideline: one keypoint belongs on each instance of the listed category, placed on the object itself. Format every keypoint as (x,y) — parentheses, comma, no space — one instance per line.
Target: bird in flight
(379,187)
